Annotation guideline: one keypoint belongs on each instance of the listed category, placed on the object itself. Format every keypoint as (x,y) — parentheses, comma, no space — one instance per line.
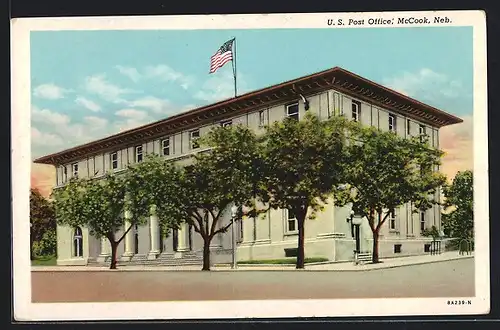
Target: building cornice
(335,78)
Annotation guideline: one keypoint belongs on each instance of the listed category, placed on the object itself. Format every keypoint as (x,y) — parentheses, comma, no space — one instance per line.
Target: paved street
(443,279)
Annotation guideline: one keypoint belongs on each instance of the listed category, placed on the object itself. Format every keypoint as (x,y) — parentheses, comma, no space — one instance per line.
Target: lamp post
(355,223)
(234,210)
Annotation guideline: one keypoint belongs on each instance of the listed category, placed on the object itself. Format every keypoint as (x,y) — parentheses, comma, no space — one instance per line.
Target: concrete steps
(164,259)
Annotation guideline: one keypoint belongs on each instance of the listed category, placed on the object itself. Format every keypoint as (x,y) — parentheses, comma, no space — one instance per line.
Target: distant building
(329,93)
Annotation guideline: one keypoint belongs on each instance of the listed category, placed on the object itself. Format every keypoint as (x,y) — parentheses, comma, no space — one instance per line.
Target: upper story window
(65,173)
(165,147)
(74,168)
(356,110)
(226,123)
(392,122)
(114,160)
(336,104)
(292,111)
(422,132)
(138,154)
(408,126)
(262,118)
(193,139)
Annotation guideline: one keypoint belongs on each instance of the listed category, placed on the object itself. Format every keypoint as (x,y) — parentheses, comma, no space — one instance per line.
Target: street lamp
(234,210)
(355,223)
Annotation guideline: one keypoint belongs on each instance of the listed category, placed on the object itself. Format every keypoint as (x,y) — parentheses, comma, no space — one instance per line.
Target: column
(182,241)
(105,250)
(129,239)
(154,229)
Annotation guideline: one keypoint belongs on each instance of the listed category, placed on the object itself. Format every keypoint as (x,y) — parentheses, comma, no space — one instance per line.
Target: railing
(465,246)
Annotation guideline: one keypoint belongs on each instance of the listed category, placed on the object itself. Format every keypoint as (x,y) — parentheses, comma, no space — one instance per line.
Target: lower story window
(291,222)
(78,242)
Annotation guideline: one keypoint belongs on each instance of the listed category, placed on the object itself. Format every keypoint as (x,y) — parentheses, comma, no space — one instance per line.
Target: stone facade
(267,237)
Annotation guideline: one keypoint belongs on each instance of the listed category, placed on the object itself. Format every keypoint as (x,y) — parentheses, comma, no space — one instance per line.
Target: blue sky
(89,84)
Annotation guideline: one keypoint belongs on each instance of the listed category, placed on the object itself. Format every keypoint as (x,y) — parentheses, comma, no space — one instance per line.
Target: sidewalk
(332,266)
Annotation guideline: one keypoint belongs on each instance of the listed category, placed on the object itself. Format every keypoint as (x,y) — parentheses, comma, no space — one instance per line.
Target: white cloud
(49,91)
(129,72)
(160,106)
(166,73)
(49,117)
(98,84)
(52,131)
(91,105)
(132,114)
(220,86)
(45,139)
(96,122)
(427,84)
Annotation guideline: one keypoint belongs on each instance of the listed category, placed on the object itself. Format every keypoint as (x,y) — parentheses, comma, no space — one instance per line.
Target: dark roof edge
(48,159)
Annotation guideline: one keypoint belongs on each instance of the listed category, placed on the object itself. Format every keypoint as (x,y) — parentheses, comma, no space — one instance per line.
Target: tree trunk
(206,253)
(300,250)
(114,247)
(375,246)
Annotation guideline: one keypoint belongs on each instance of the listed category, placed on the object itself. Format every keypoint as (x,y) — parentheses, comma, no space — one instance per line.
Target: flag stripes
(222,56)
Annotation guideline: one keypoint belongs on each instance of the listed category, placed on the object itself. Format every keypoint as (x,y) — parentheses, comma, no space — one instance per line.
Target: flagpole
(234,67)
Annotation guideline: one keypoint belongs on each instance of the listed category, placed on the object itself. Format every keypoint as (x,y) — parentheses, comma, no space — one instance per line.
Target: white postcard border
(21,165)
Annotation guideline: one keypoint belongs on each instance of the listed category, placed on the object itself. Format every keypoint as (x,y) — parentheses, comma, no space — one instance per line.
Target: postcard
(250,166)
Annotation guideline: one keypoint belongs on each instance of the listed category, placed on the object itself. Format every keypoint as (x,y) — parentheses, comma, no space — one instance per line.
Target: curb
(228,269)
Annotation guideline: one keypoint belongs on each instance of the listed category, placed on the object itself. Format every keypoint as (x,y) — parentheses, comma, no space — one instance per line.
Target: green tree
(200,192)
(105,206)
(458,219)
(159,183)
(42,219)
(303,162)
(386,171)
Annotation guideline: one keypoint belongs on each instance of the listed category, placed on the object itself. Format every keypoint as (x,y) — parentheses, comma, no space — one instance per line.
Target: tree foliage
(386,171)
(458,220)
(201,192)
(302,164)
(101,206)
(42,220)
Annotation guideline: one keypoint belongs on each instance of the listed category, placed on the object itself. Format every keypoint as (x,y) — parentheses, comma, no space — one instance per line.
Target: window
(193,137)
(65,172)
(138,154)
(422,133)
(397,248)
(356,107)
(392,220)
(77,242)
(74,168)
(226,123)
(165,146)
(292,111)
(291,222)
(392,122)
(408,126)
(336,104)
(422,221)
(262,118)
(114,160)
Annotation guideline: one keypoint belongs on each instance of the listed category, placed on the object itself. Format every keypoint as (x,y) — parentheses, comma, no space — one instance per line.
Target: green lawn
(44,261)
(285,261)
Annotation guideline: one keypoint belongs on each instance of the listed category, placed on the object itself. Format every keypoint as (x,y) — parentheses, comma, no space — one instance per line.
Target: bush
(281,261)
(47,246)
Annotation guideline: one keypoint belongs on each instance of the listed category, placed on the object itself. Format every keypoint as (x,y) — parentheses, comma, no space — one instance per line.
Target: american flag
(222,56)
